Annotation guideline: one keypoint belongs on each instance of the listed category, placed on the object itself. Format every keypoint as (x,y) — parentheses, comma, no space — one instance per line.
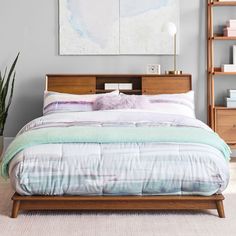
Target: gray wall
(31,27)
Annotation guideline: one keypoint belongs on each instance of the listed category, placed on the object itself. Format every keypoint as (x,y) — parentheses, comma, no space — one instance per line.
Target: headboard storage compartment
(135,81)
(166,84)
(141,84)
(74,84)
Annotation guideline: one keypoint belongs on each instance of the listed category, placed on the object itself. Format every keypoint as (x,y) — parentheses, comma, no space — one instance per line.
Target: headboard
(141,84)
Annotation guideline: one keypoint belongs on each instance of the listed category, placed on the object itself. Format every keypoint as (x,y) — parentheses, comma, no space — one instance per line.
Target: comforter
(119,152)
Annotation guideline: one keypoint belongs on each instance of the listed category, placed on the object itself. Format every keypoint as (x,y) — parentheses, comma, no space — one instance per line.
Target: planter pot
(1,146)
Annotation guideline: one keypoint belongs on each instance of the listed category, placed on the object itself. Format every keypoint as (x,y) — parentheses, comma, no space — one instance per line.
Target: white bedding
(118,168)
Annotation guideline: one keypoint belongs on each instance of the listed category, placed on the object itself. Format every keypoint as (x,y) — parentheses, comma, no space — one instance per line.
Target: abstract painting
(113,27)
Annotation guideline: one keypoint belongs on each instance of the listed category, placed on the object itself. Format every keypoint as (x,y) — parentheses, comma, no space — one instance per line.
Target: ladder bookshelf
(221,119)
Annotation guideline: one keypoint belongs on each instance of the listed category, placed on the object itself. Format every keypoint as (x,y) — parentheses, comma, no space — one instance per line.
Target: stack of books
(231,99)
(230,29)
(230,67)
(118,86)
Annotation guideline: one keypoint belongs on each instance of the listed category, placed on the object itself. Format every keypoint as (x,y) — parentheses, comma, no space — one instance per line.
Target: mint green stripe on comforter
(112,135)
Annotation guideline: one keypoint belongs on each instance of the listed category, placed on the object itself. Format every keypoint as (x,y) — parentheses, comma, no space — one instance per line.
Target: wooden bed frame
(142,84)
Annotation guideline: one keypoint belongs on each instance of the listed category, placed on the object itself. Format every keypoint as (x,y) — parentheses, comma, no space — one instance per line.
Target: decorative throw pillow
(64,102)
(121,101)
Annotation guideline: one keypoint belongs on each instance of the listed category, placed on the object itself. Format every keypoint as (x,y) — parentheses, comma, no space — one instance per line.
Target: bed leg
(220,208)
(15,208)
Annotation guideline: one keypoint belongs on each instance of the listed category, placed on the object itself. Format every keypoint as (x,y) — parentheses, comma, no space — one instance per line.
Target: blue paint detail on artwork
(128,8)
(77,25)
(132,8)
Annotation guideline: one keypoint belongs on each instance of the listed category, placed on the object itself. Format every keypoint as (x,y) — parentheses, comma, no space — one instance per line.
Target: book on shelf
(230,32)
(231,102)
(234,54)
(231,93)
(228,68)
(118,86)
(111,86)
(125,86)
(231,24)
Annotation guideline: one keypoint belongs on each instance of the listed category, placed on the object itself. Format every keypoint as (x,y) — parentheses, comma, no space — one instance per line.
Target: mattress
(155,167)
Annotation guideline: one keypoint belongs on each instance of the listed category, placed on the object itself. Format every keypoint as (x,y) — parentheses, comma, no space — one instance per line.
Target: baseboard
(8,140)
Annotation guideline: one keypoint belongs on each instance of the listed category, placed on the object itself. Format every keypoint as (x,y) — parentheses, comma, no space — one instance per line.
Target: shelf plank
(218,71)
(217,3)
(224,108)
(221,37)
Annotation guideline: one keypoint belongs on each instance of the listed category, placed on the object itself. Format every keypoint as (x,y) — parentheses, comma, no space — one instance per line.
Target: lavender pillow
(121,101)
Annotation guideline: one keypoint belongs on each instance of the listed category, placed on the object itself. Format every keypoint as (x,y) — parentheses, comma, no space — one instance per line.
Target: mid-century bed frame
(142,84)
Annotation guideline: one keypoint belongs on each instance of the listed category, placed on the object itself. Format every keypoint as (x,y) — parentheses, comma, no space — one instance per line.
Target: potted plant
(7,81)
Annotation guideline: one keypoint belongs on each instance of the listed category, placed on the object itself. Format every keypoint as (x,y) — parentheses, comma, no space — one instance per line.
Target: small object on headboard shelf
(125,86)
(111,86)
(119,86)
(154,69)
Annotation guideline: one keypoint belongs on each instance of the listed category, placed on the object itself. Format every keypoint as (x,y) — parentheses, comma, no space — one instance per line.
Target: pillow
(122,101)
(63,102)
(177,104)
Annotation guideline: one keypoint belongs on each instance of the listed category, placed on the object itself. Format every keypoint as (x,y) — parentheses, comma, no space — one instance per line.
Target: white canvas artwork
(113,27)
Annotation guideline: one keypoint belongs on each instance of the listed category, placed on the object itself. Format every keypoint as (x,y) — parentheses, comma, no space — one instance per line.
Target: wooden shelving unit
(221,119)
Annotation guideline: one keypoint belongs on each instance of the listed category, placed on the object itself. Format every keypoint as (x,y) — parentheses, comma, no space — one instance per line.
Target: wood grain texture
(218,71)
(142,84)
(166,85)
(222,4)
(71,84)
(220,209)
(15,208)
(106,203)
(226,124)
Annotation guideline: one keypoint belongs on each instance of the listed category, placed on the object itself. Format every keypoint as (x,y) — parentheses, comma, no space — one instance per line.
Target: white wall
(31,27)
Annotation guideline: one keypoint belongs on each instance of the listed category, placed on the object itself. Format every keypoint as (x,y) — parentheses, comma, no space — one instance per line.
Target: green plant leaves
(7,82)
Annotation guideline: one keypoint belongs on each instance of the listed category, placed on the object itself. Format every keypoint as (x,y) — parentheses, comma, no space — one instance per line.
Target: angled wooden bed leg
(15,208)
(220,208)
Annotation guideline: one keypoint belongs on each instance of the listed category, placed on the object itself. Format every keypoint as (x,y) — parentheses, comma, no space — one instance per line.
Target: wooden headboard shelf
(142,84)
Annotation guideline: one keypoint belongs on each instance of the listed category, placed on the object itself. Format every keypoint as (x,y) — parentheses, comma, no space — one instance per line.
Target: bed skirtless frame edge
(150,84)
(114,203)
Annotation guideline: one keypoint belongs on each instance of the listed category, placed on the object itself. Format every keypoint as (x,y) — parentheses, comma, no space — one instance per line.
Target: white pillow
(63,102)
(177,104)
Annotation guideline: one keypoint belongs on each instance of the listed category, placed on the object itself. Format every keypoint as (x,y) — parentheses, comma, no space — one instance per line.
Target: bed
(132,158)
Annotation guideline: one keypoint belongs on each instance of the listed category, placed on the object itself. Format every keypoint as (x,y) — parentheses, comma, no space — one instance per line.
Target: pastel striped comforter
(175,155)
